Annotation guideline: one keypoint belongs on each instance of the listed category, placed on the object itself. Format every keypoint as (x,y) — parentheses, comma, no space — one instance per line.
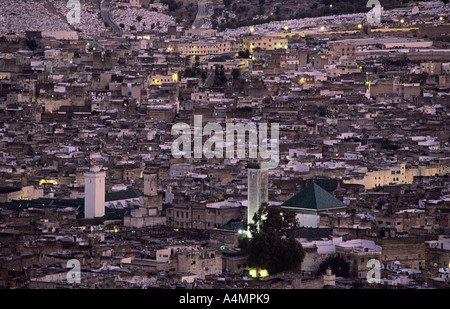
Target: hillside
(230,14)
(18,16)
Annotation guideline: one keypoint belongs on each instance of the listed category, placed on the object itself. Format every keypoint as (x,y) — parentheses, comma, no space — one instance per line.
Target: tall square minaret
(94,193)
(258,188)
(150,183)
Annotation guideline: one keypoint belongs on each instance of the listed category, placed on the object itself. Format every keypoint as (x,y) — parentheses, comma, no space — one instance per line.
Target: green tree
(220,78)
(31,44)
(271,245)
(338,266)
(204,75)
(236,73)
(173,5)
(244,54)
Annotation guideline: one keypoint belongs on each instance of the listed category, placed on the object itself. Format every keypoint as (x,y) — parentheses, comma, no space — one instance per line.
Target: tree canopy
(271,246)
(338,265)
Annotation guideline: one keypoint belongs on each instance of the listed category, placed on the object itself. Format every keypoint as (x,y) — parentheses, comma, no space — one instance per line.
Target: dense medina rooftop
(89,120)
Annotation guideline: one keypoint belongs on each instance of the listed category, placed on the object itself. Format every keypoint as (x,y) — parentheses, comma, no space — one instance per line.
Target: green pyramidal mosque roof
(314,198)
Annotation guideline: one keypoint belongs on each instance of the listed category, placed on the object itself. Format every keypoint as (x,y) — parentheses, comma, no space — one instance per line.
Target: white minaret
(94,193)
(258,188)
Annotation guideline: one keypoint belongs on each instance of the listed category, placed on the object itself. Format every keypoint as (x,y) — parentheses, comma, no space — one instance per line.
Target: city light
(252,29)
(255,273)
(45,181)
(263,273)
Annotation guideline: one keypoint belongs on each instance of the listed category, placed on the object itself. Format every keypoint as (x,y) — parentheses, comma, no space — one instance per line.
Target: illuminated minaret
(94,193)
(258,188)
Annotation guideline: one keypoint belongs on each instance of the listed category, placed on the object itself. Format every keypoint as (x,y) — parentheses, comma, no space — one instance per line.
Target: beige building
(431,68)
(402,221)
(159,79)
(227,65)
(199,48)
(264,43)
(201,262)
(357,252)
(344,49)
(8,194)
(386,42)
(407,250)
(397,174)
(209,216)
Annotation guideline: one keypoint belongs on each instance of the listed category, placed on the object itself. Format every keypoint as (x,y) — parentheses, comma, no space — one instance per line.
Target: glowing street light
(286,28)
(322,28)
(359,26)
(402,21)
(441,18)
(252,29)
